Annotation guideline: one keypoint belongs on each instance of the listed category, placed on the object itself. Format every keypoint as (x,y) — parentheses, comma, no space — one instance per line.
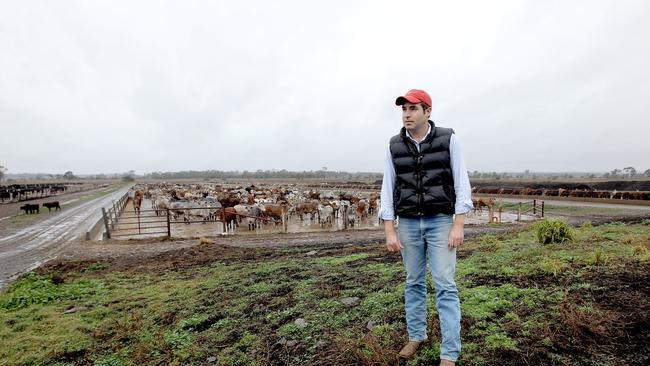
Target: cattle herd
(561,192)
(23,192)
(253,205)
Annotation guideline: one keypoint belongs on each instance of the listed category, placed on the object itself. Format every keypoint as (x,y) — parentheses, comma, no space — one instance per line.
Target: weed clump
(598,258)
(205,241)
(489,239)
(645,222)
(553,231)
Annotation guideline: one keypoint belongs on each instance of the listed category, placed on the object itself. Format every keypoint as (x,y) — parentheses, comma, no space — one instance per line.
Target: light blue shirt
(461,180)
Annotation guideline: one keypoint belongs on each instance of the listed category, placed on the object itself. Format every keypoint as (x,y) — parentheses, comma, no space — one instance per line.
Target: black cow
(52,205)
(30,208)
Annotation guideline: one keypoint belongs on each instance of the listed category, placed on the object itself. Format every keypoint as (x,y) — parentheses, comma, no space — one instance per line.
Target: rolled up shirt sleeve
(386,209)
(461,179)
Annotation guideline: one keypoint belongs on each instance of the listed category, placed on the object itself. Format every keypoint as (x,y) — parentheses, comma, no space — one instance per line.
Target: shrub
(586,224)
(553,231)
(645,222)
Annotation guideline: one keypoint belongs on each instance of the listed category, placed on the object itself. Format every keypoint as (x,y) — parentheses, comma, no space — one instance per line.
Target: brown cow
(229,216)
(372,203)
(137,201)
(362,209)
(276,212)
(482,202)
(310,207)
(228,200)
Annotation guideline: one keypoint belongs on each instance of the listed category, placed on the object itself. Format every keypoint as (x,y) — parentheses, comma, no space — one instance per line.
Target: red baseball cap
(414,96)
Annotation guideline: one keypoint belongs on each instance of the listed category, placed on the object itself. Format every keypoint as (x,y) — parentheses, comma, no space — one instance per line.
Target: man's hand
(392,242)
(456,236)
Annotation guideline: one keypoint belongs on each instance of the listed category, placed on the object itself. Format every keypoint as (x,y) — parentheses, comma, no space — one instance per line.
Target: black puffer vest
(424,183)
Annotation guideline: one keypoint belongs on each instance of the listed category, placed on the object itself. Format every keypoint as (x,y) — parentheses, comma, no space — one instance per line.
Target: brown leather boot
(409,349)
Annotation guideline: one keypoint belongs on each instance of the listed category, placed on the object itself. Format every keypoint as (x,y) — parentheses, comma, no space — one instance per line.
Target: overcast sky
(110,86)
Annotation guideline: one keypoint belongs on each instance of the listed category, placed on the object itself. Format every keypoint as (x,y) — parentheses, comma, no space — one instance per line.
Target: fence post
(169,227)
(519,212)
(285,225)
(345,217)
(108,231)
(534,207)
(542,209)
(116,211)
(223,221)
(110,216)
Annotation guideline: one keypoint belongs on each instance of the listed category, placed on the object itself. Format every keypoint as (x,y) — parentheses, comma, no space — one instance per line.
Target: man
(425,184)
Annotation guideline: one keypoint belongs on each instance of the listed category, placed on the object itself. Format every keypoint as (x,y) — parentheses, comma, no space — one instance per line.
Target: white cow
(326,215)
(352,214)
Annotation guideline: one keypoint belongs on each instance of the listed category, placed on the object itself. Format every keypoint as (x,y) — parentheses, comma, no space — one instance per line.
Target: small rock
(212,359)
(350,300)
(371,324)
(74,309)
(321,343)
(291,343)
(282,341)
(300,323)
(313,252)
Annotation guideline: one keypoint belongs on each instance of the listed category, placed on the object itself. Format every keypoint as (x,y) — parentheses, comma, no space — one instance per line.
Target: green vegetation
(553,231)
(522,303)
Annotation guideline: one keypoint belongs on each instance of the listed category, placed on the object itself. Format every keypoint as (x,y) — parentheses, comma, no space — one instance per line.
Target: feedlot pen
(148,224)
(151,225)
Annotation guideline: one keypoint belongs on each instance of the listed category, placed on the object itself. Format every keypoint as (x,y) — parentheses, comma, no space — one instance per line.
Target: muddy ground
(135,252)
(613,332)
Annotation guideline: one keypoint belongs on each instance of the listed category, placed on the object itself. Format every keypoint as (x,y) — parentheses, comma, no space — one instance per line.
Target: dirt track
(27,244)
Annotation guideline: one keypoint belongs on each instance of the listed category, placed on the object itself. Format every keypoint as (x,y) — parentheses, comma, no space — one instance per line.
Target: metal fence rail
(112,215)
(143,221)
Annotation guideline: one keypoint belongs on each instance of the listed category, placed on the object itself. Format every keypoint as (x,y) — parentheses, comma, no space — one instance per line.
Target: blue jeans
(429,236)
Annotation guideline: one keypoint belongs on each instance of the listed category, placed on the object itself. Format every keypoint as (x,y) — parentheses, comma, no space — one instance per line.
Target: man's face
(414,116)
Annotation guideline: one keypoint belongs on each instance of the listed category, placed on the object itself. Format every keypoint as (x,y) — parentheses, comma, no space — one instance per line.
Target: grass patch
(522,303)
